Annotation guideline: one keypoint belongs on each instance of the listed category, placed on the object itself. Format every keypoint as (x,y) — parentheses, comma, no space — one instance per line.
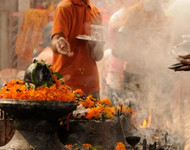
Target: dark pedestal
(103,133)
(34,135)
(35,123)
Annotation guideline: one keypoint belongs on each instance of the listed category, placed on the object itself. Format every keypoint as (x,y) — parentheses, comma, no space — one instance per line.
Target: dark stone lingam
(35,123)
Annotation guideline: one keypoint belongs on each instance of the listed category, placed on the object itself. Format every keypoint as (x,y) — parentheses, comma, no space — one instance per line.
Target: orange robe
(73,18)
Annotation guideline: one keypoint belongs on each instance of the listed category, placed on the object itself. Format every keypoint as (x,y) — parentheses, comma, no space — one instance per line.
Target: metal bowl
(29,109)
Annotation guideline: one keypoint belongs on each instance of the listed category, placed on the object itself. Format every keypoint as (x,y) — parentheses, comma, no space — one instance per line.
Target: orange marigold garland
(16,89)
(40,83)
(96,108)
(106,101)
(95,112)
(99,109)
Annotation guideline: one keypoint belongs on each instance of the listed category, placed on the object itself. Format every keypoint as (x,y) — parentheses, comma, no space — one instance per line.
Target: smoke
(146,47)
(180,14)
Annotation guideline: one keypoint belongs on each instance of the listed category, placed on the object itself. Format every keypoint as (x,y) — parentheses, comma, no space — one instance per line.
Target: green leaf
(34,80)
(49,65)
(96,148)
(41,63)
(27,86)
(59,76)
(32,69)
(47,83)
(30,85)
(68,87)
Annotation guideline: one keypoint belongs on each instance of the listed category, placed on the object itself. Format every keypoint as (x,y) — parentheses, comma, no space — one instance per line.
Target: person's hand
(185,61)
(63,47)
(184,56)
(183,68)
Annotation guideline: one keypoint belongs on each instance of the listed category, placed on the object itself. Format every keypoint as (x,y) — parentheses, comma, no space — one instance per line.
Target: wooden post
(6,7)
(23,5)
(4,52)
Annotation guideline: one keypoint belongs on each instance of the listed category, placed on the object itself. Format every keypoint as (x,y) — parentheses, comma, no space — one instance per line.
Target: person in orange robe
(76,59)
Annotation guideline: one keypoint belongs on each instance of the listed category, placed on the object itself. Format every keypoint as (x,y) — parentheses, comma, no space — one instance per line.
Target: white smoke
(165,91)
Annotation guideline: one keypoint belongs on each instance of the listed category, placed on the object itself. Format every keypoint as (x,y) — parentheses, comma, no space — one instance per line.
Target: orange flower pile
(84,145)
(120,146)
(16,89)
(97,108)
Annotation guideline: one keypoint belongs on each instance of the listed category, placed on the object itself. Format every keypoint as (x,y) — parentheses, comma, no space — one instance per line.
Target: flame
(149,120)
(146,122)
(156,138)
(168,124)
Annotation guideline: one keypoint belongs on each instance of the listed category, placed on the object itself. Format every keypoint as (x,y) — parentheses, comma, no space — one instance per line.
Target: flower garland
(16,89)
(98,109)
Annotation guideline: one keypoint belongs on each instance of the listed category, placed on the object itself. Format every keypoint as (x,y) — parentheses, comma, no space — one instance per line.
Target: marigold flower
(69,146)
(95,112)
(79,91)
(106,101)
(128,110)
(109,112)
(120,146)
(87,145)
(16,89)
(88,103)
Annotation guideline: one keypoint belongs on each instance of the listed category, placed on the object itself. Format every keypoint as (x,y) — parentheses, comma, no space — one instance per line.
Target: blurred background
(21,24)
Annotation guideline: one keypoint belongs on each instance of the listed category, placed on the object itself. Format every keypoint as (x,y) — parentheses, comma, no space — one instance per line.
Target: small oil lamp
(132,140)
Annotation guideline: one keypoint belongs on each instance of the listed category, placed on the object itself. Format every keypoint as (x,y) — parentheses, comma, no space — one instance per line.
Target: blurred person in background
(180,14)
(115,74)
(74,58)
(47,53)
(143,36)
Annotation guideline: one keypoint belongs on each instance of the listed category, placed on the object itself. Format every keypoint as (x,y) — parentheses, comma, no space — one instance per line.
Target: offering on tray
(96,34)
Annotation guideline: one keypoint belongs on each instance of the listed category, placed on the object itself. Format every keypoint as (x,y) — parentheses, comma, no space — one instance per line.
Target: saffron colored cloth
(30,32)
(73,18)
